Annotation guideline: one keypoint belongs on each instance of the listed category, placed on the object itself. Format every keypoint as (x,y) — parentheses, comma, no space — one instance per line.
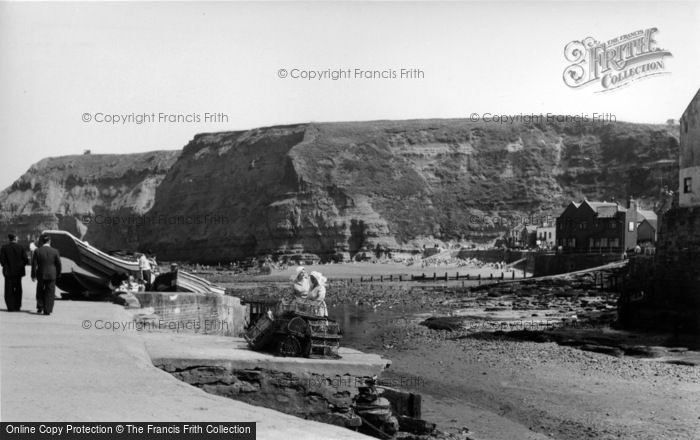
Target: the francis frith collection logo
(614,63)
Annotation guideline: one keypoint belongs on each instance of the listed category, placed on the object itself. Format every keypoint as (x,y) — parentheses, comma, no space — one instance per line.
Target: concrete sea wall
(554,264)
(195,313)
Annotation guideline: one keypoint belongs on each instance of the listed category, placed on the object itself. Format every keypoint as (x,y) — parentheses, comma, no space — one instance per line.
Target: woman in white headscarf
(300,290)
(317,295)
(317,290)
(302,285)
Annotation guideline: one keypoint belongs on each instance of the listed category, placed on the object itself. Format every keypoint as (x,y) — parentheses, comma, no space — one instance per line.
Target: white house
(547,235)
(689,175)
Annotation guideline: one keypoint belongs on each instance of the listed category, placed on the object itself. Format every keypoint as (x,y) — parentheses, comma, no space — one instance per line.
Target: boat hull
(87,271)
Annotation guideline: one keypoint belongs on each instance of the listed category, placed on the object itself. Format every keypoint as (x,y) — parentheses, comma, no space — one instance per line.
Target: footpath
(52,369)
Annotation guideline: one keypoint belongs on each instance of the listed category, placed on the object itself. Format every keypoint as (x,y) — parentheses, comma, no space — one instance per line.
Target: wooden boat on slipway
(87,271)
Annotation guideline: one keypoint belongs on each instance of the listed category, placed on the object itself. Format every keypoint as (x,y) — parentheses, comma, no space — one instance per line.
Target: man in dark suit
(46,267)
(13,258)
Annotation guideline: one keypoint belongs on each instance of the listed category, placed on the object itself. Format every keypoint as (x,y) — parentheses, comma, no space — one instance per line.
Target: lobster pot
(306,309)
(259,335)
(289,323)
(324,339)
(290,345)
(324,348)
(322,328)
(298,326)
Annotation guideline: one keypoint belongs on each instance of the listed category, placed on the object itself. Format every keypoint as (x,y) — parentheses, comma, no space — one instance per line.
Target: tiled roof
(596,205)
(648,215)
(603,209)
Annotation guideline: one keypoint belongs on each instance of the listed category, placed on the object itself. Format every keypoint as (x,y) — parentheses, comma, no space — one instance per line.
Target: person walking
(46,267)
(13,258)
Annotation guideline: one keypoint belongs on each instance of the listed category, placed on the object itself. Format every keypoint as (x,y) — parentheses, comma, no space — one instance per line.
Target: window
(613,224)
(550,235)
(687,185)
(630,226)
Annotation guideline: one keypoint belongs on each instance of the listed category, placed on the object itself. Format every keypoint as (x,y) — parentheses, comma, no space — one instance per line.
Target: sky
(67,67)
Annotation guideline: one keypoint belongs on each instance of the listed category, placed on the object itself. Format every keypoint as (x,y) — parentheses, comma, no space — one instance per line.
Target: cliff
(333,188)
(83,194)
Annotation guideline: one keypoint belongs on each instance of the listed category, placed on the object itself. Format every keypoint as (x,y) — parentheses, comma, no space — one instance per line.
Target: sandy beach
(499,388)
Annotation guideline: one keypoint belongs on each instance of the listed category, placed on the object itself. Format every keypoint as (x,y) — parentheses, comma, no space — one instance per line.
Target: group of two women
(309,292)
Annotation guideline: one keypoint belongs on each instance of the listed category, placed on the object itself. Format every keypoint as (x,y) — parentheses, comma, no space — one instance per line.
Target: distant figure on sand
(14,259)
(145,270)
(46,267)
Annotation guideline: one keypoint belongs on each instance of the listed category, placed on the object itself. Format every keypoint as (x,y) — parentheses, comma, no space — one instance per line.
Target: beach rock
(604,349)
(449,323)
(415,426)
(644,351)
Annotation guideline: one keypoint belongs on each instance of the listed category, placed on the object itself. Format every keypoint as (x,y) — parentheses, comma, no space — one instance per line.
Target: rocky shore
(559,391)
(530,359)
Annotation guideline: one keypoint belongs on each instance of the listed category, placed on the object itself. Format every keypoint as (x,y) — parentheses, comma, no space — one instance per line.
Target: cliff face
(84,195)
(337,187)
(328,188)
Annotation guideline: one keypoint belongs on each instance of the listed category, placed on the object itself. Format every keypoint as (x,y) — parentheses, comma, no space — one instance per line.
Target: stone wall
(493,255)
(547,264)
(677,267)
(326,399)
(664,294)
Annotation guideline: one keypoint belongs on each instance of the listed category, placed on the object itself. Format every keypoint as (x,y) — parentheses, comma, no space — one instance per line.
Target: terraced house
(603,227)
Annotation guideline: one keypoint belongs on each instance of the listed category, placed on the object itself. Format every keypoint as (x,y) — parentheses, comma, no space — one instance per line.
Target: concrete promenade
(52,370)
(186,350)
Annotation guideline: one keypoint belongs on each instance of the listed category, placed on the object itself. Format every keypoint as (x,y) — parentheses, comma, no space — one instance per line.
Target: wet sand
(480,386)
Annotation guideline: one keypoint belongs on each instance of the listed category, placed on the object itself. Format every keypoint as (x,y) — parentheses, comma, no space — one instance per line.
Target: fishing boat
(87,271)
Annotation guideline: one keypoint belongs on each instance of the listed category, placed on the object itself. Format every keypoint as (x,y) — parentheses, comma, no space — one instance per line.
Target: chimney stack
(632,204)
